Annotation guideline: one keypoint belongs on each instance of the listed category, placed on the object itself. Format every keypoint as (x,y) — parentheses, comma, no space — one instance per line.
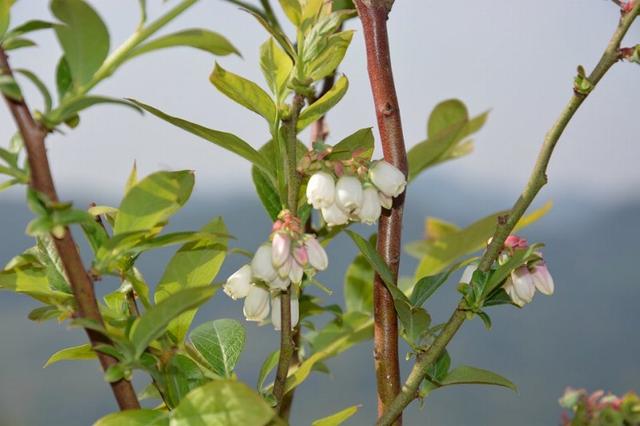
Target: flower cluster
(524,280)
(599,409)
(275,266)
(360,197)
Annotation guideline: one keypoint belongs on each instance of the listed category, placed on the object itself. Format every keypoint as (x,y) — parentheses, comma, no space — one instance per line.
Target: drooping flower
(387,178)
(349,194)
(239,283)
(467,274)
(542,278)
(334,216)
(371,208)
(280,249)
(321,190)
(256,304)
(296,272)
(276,314)
(317,255)
(300,255)
(385,200)
(279,283)
(520,287)
(262,264)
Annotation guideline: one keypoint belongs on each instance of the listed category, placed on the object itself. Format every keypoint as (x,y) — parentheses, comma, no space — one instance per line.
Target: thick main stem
(536,181)
(41,181)
(373,14)
(287,344)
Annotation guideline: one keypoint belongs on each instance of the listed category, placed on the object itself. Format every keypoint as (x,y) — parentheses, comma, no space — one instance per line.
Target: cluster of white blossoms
(275,266)
(522,283)
(357,197)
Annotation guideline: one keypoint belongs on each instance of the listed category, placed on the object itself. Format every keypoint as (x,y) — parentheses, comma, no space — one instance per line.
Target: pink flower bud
(262,265)
(239,283)
(349,194)
(281,249)
(514,242)
(333,216)
(317,256)
(542,278)
(321,190)
(388,178)
(300,255)
(371,208)
(256,305)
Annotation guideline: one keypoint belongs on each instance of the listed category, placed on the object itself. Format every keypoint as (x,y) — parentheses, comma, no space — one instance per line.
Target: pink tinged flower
(349,194)
(300,255)
(371,208)
(385,200)
(239,283)
(276,314)
(389,179)
(262,265)
(333,216)
(279,283)
(280,249)
(542,278)
(296,272)
(321,190)
(285,268)
(514,242)
(317,256)
(523,286)
(256,305)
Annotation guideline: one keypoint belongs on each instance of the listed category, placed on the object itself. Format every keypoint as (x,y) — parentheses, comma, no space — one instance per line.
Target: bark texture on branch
(373,15)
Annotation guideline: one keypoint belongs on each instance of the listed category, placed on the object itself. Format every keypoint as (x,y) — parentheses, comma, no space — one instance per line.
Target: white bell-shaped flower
(239,283)
(280,249)
(371,208)
(542,279)
(321,190)
(317,255)
(467,274)
(262,264)
(389,179)
(349,194)
(256,304)
(296,272)
(520,286)
(279,283)
(334,216)
(385,200)
(276,315)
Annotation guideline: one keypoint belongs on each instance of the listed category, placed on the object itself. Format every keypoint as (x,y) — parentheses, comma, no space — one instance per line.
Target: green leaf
(437,254)
(373,257)
(265,187)
(5,6)
(84,38)
(267,366)
(320,107)
(197,38)
(69,109)
(181,375)
(64,80)
(39,85)
(358,285)
(444,115)
(220,342)
(225,140)
(276,32)
(17,43)
(71,354)
(34,283)
(330,57)
(153,200)
(141,417)
(293,10)
(195,264)
(337,418)
(276,67)
(153,323)
(45,313)
(245,92)
(465,374)
(427,286)
(222,403)
(359,144)
(9,88)
(28,27)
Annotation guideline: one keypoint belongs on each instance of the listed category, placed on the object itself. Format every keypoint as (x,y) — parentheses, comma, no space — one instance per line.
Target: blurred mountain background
(586,335)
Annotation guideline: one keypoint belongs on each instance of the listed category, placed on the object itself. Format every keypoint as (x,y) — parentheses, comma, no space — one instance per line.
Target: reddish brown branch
(33,136)
(373,14)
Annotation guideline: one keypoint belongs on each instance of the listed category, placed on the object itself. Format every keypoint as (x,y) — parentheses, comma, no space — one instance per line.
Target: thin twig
(293,181)
(33,135)
(373,14)
(536,181)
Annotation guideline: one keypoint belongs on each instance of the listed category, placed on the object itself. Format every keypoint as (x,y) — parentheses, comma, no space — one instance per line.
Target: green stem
(122,53)
(536,181)
(287,345)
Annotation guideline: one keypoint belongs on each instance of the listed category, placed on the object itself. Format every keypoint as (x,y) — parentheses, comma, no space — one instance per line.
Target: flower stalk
(536,181)
(373,15)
